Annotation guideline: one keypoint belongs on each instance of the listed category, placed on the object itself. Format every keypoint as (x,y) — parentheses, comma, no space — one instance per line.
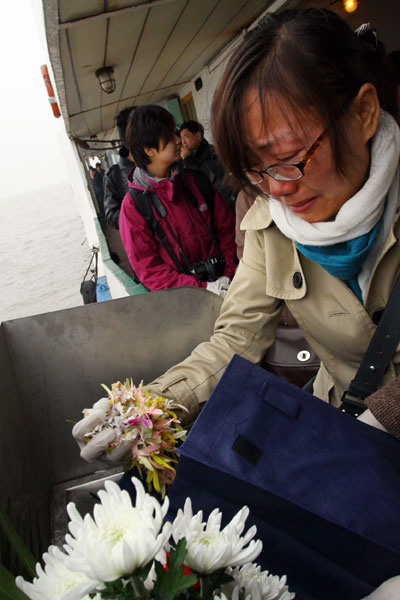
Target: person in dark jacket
(116,186)
(99,169)
(97,182)
(116,177)
(198,228)
(197,153)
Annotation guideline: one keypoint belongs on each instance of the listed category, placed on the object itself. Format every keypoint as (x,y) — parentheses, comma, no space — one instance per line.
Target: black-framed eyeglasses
(285,171)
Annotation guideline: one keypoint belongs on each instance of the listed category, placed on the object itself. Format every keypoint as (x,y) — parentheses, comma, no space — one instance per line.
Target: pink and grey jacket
(149,259)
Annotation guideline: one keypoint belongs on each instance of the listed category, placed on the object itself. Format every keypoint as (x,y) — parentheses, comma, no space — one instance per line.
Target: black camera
(208,270)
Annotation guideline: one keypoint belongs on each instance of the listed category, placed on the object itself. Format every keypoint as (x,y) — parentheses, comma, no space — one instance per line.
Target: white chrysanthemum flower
(56,581)
(121,538)
(208,547)
(258,585)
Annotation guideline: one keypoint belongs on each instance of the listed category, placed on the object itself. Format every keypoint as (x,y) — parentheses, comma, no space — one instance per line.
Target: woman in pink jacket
(175,227)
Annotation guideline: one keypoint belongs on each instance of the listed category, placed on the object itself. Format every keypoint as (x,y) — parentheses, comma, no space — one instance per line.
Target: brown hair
(310,58)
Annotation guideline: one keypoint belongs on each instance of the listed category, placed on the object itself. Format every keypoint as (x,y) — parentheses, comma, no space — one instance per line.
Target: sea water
(44,253)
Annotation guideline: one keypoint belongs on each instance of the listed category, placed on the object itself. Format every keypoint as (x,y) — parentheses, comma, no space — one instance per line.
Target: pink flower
(147,422)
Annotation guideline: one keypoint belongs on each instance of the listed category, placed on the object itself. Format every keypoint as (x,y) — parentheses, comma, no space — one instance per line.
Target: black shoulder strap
(143,202)
(208,192)
(377,357)
(205,188)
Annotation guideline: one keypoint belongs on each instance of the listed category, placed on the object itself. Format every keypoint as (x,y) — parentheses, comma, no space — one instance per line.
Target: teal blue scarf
(343,260)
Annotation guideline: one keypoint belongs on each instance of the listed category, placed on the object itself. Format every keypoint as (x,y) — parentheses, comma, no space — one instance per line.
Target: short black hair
(123,151)
(91,168)
(98,164)
(122,122)
(148,127)
(193,127)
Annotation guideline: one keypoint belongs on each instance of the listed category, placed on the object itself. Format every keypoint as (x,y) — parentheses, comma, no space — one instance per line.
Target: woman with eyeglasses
(299,121)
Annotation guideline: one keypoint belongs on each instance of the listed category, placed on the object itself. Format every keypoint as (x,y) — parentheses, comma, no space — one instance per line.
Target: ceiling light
(106,80)
(350,5)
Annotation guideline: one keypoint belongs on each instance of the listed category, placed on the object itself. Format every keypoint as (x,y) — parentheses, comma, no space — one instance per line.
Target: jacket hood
(139,178)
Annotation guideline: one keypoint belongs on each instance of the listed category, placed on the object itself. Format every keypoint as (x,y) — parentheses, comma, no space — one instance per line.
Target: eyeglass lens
(279,172)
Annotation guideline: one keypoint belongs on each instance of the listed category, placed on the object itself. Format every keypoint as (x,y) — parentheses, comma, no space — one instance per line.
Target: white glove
(219,287)
(368,418)
(95,449)
(390,590)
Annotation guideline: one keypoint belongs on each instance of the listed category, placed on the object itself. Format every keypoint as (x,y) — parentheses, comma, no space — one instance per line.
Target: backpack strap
(143,202)
(207,190)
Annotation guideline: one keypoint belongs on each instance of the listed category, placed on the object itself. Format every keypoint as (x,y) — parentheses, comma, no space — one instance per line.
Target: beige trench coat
(272,271)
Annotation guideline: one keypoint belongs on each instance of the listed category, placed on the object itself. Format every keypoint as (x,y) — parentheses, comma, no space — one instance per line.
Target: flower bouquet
(139,426)
(127,552)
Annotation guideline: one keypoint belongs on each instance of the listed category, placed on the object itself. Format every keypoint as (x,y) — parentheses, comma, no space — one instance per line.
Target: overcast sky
(30,156)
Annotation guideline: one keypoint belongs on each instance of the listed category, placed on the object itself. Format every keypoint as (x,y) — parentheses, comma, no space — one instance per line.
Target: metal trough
(51,367)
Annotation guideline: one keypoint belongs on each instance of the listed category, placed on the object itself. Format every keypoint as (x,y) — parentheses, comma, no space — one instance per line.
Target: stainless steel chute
(51,367)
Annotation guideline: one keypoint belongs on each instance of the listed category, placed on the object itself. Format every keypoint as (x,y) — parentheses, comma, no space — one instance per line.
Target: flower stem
(138,588)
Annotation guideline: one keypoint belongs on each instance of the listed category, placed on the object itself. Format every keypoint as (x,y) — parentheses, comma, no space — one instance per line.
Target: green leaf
(145,461)
(23,552)
(162,462)
(8,589)
(113,590)
(109,392)
(136,585)
(126,589)
(173,581)
(144,572)
(213,582)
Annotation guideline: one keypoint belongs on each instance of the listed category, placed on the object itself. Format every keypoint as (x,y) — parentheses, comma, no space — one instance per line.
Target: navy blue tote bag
(323,488)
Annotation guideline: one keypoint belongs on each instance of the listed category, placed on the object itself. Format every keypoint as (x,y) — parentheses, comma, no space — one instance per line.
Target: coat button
(297,280)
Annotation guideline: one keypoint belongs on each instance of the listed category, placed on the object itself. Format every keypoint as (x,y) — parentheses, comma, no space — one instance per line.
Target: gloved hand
(96,448)
(219,287)
(389,590)
(368,418)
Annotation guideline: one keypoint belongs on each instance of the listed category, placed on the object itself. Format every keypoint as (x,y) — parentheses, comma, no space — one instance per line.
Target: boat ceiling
(154,47)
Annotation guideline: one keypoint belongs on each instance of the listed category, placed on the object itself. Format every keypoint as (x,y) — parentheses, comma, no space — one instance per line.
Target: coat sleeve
(246,326)
(385,406)
(142,250)
(113,196)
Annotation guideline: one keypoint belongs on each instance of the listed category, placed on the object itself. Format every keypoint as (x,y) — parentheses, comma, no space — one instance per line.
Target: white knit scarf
(361,212)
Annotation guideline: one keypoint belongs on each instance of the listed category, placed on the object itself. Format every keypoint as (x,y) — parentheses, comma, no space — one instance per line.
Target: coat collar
(258,216)
(202,148)
(282,260)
